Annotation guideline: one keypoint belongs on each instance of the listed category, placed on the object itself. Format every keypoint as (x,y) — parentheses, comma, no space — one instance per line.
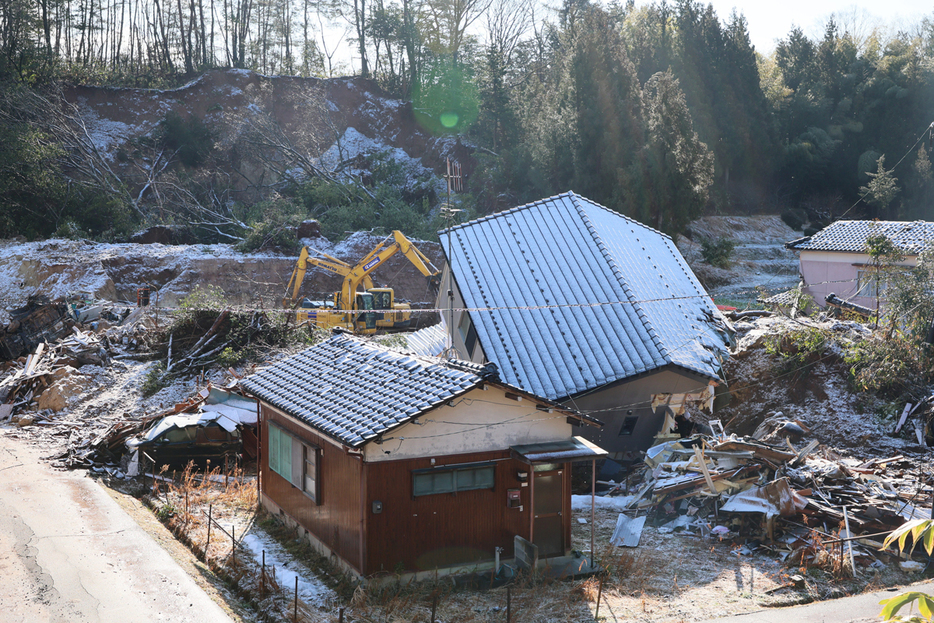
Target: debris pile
(793,502)
(109,449)
(45,382)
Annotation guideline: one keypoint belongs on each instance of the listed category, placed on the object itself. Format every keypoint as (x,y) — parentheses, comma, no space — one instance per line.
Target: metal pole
(434,607)
(593,504)
(295,606)
(208,544)
(233,543)
(262,577)
(340,616)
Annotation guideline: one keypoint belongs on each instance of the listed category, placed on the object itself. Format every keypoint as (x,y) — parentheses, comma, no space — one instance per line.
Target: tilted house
(585,307)
(395,462)
(835,259)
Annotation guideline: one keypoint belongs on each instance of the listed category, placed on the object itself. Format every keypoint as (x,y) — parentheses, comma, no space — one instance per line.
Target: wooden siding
(336,521)
(441,530)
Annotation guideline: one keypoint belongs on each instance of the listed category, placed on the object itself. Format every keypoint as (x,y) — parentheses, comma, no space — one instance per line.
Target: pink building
(834,260)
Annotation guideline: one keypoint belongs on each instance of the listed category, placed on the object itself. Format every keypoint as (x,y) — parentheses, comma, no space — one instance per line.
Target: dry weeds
(668,578)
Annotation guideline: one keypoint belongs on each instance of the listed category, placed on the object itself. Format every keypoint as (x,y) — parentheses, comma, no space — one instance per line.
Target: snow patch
(311,590)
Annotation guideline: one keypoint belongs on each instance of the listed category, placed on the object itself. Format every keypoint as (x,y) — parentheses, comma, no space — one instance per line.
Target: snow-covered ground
(286,569)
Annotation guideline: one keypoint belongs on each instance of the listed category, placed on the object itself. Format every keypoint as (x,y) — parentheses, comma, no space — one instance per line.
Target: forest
(662,111)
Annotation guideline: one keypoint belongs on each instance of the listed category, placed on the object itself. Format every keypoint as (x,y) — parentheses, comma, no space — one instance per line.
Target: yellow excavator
(363,312)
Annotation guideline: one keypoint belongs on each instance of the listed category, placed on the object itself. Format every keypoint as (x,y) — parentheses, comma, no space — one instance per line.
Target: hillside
(332,122)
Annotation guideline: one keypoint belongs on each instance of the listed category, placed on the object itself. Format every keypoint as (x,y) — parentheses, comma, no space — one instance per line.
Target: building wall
(337,522)
(442,530)
(479,421)
(632,398)
(477,356)
(826,272)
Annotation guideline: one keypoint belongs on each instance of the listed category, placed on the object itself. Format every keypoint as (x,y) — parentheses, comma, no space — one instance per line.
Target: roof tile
(912,237)
(341,387)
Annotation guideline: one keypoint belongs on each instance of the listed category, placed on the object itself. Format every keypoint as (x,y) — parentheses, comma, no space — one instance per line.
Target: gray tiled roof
(610,298)
(353,390)
(850,236)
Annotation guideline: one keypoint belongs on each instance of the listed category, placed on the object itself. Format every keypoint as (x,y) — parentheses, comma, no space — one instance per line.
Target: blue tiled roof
(353,390)
(610,298)
(912,237)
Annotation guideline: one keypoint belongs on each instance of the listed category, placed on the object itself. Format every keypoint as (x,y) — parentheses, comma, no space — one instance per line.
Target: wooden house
(391,462)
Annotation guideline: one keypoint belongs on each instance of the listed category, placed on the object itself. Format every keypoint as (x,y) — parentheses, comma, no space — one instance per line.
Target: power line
(928,129)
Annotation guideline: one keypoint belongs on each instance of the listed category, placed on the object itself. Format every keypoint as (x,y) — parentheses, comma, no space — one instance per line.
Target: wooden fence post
(508,604)
(295,607)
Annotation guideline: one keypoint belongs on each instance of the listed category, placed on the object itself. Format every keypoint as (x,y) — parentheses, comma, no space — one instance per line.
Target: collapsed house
(836,260)
(585,307)
(795,502)
(393,462)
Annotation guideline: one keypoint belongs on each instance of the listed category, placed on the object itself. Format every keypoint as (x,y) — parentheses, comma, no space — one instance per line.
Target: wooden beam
(703,465)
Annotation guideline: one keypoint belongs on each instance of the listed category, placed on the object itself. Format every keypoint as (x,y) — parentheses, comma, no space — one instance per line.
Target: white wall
(443,304)
(479,421)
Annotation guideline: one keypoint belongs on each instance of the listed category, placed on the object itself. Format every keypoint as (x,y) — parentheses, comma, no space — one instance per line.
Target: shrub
(798,350)
(155,380)
(717,252)
(795,219)
(888,367)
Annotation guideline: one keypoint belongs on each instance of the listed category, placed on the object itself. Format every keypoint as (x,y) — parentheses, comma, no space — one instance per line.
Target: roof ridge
(503,213)
(628,219)
(569,194)
(624,284)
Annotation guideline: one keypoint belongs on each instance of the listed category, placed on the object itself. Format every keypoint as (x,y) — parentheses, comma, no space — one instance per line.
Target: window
(310,471)
(468,334)
(629,425)
(453,479)
(869,283)
(297,462)
(180,435)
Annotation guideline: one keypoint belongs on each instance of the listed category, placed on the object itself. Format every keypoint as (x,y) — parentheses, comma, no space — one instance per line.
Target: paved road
(68,552)
(863,608)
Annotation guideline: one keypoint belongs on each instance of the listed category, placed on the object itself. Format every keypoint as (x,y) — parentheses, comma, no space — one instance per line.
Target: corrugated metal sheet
(912,237)
(428,342)
(353,390)
(582,296)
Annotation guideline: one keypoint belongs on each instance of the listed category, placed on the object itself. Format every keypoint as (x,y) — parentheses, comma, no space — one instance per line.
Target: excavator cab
(365,320)
(389,314)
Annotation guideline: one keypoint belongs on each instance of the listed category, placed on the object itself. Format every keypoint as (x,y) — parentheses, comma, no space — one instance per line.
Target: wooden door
(547,513)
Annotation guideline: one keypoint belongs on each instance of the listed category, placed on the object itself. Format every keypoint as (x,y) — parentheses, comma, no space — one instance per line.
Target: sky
(771,20)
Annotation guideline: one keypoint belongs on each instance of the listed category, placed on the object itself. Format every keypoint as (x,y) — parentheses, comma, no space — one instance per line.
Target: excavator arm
(321,260)
(383,251)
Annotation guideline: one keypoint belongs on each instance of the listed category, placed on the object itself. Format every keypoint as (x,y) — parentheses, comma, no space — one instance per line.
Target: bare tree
(506,22)
(450,21)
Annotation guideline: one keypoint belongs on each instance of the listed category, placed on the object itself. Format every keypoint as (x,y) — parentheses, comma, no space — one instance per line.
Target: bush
(155,380)
(797,350)
(717,253)
(890,368)
(795,219)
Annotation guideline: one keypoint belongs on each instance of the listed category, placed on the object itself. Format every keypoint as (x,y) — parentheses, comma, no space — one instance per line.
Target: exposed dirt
(759,263)
(815,394)
(335,120)
(57,268)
